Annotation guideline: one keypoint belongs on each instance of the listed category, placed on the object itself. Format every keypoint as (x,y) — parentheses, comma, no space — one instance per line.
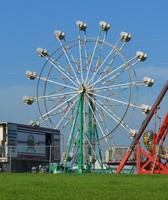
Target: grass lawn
(85,186)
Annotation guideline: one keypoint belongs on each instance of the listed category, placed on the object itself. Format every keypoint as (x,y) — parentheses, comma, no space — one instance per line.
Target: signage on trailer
(24,142)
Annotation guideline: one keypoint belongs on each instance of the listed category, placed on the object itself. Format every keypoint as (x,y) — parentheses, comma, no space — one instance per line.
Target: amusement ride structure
(86,88)
(155,159)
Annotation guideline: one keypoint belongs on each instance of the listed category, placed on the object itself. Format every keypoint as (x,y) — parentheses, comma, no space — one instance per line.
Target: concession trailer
(23,147)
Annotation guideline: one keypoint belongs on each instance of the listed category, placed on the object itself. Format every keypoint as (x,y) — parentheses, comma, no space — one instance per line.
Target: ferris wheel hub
(81,89)
(85,89)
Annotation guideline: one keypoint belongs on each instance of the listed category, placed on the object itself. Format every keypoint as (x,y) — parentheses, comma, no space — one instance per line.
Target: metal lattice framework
(85,89)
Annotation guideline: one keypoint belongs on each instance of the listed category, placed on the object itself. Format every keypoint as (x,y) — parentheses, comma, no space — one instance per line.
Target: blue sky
(26,25)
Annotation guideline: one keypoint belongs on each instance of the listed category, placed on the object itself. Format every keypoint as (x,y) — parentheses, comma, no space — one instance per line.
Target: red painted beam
(162,130)
(143,127)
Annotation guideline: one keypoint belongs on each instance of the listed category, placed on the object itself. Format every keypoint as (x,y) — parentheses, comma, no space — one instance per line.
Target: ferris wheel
(85,89)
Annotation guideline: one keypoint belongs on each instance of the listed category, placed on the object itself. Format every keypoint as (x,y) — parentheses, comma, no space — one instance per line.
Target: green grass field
(86,186)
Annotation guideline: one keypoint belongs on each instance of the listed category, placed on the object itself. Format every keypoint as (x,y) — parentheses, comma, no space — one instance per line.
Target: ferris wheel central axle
(85,89)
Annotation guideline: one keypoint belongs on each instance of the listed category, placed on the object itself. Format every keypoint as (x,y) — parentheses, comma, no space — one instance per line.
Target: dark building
(23,147)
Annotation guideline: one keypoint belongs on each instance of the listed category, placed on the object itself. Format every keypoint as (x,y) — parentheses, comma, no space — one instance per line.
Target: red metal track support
(138,157)
(162,130)
(143,127)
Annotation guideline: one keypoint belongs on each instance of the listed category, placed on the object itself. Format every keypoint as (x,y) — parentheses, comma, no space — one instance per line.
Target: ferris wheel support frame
(91,133)
(80,163)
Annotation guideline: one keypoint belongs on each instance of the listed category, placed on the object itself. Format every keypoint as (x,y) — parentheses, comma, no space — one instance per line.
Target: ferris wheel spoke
(56,96)
(101,47)
(112,78)
(140,56)
(126,64)
(102,116)
(66,123)
(98,124)
(128,103)
(122,46)
(91,59)
(116,53)
(65,49)
(58,106)
(111,52)
(116,118)
(98,63)
(110,115)
(80,56)
(125,38)
(86,53)
(118,74)
(104,61)
(120,102)
(62,68)
(55,82)
(66,113)
(100,105)
(125,126)
(122,123)
(62,71)
(50,116)
(104,27)
(82,46)
(113,100)
(120,86)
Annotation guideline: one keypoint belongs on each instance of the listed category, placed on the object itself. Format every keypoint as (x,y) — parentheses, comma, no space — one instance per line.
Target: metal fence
(26,158)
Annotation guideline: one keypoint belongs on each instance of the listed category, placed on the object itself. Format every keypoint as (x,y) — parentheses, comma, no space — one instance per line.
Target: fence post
(10,159)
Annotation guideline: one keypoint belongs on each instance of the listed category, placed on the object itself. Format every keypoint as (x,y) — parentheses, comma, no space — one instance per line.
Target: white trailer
(23,146)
